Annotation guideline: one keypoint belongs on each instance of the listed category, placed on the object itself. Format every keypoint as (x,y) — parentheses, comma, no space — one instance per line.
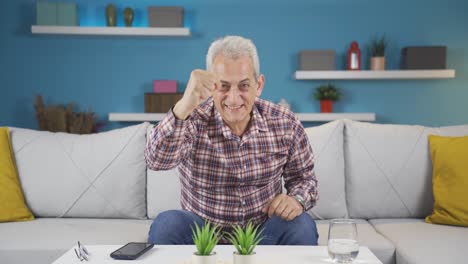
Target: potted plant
(327,94)
(245,241)
(205,239)
(377,48)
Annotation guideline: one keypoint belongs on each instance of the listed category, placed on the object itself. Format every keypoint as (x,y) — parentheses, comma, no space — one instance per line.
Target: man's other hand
(199,88)
(284,206)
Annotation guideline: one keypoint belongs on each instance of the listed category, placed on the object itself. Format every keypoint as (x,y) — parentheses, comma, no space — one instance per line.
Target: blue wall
(110,74)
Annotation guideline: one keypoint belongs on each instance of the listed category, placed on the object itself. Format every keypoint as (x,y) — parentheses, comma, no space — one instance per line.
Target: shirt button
(245,167)
(243,202)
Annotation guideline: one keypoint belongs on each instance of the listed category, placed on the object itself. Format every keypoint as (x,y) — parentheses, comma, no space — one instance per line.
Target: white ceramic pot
(244,259)
(210,259)
(377,63)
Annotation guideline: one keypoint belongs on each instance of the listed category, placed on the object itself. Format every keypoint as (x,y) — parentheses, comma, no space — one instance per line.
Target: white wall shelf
(369,75)
(305,117)
(324,117)
(111,31)
(136,117)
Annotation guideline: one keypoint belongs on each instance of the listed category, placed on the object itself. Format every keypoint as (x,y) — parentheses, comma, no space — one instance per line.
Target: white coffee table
(182,254)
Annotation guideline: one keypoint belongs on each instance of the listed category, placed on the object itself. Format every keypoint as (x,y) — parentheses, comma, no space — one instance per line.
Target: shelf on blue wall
(305,117)
(111,31)
(373,75)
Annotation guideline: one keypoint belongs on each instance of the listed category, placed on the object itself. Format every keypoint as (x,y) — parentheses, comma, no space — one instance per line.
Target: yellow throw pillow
(449,180)
(12,205)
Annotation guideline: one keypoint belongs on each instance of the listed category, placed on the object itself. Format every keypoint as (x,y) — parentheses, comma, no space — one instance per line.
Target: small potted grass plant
(327,94)
(245,240)
(377,47)
(205,239)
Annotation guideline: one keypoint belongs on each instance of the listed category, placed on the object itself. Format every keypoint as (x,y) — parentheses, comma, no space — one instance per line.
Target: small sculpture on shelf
(111,15)
(327,94)
(377,49)
(128,16)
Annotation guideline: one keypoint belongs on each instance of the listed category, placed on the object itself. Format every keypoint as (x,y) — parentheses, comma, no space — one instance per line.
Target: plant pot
(377,63)
(326,106)
(210,259)
(244,259)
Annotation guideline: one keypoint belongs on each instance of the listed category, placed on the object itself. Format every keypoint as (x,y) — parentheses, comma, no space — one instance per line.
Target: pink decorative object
(165,86)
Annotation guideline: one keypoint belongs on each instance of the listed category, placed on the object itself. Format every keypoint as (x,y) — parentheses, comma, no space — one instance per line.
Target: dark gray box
(317,60)
(165,16)
(423,58)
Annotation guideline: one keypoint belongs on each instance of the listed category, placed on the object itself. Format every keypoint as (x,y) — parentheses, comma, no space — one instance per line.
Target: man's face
(236,89)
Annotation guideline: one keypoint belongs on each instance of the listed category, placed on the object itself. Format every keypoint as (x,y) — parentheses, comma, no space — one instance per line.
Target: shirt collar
(257,123)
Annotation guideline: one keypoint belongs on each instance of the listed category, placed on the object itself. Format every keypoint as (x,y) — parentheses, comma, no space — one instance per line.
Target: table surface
(181,254)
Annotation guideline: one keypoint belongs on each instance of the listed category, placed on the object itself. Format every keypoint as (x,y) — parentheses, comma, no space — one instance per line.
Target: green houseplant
(327,94)
(245,240)
(377,49)
(205,239)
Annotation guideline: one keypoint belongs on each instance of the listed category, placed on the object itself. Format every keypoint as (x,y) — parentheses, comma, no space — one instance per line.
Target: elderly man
(232,149)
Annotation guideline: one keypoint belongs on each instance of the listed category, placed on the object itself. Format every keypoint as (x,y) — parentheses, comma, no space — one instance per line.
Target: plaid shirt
(227,179)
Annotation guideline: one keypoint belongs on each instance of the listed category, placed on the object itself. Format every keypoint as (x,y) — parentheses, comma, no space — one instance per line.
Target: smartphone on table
(131,251)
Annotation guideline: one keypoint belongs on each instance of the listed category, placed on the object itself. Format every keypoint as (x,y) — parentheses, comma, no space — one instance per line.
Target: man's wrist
(300,200)
(180,111)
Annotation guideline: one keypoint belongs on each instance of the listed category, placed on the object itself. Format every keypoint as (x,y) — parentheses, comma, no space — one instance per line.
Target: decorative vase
(111,15)
(377,63)
(244,259)
(128,15)
(210,259)
(326,106)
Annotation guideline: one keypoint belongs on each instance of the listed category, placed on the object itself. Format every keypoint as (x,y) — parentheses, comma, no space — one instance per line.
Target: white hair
(233,47)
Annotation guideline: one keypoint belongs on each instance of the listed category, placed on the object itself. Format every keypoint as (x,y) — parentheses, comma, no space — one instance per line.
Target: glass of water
(342,240)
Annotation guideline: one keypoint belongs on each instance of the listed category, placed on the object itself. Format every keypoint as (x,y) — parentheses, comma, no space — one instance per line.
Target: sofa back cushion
(163,191)
(388,169)
(100,175)
(327,144)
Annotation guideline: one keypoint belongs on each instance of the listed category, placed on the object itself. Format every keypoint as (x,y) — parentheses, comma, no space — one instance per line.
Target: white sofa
(96,189)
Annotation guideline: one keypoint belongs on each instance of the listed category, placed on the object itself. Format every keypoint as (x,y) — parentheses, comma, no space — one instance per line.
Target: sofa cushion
(98,175)
(43,240)
(163,191)
(449,180)
(327,144)
(395,161)
(420,242)
(382,248)
(12,205)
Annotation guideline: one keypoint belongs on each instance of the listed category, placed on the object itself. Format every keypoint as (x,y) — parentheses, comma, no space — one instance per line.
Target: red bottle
(354,57)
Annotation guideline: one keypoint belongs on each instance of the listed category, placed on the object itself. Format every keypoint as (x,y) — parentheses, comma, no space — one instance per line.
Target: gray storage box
(317,60)
(67,14)
(165,16)
(421,58)
(46,13)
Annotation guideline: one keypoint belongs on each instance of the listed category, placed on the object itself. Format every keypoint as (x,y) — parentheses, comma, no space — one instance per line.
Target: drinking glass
(342,240)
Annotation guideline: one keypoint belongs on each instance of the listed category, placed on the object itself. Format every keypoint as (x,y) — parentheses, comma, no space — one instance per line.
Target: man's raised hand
(200,86)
